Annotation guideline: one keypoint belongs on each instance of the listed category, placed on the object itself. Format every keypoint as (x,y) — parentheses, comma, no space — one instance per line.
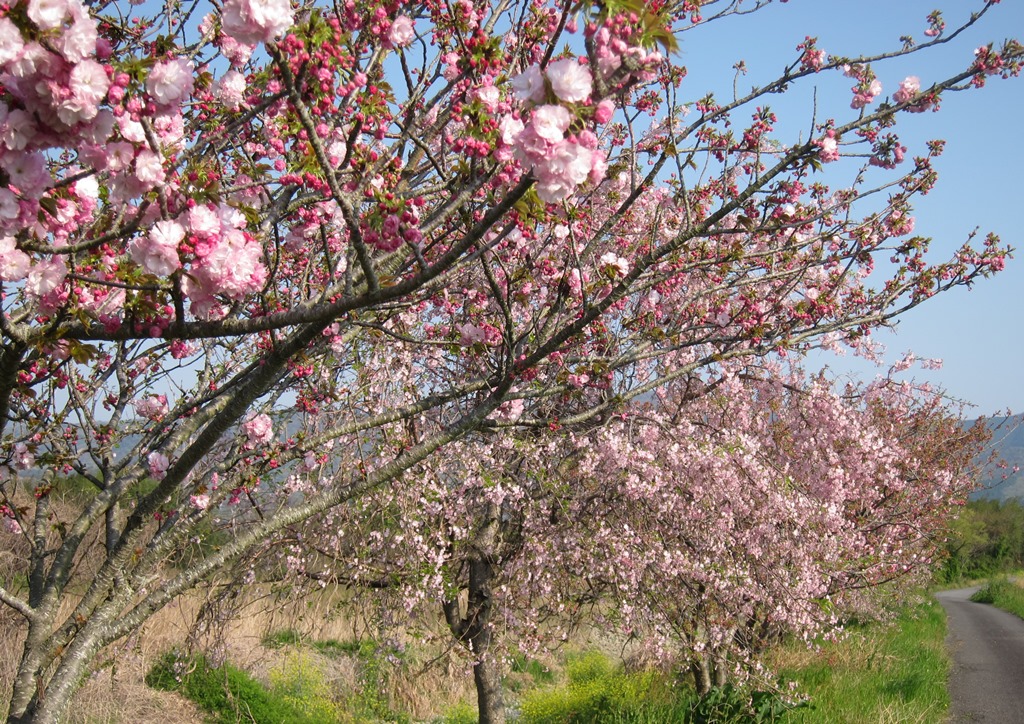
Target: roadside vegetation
(876,673)
(326,662)
(894,671)
(873,672)
(1002,593)
(986,540)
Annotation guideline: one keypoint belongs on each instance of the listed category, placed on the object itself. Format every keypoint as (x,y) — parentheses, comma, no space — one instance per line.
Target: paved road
(987,681)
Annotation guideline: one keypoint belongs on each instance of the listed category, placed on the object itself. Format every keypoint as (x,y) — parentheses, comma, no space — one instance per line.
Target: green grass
(598,691)
(1002,593)
(328,647)
(228,694)
(877,673)
(368,703)
(533,670)
(894,673)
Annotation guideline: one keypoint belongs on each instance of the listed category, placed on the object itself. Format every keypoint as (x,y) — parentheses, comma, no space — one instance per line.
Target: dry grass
(115,692)
(424,686)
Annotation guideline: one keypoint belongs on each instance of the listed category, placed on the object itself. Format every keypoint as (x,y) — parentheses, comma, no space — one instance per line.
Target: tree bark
(474,628)
(43,698)
(486,670)
(701,670)
(27,685)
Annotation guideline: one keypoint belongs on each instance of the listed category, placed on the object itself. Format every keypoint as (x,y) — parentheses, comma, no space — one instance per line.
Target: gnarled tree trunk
(474,627)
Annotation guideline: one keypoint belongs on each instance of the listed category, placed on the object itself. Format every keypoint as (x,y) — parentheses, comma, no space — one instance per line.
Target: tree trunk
(701,675)
(40,697)
(27,684)
(710,670)
(474,628)
(721,671)
(486,670)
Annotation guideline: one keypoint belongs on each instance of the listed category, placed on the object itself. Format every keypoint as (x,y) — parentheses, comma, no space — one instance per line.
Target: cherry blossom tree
(727,512)
(771,506)
(244,243)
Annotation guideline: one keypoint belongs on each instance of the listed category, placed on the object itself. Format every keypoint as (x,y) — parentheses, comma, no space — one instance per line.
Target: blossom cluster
(560,159)
(868,86)
(54,92)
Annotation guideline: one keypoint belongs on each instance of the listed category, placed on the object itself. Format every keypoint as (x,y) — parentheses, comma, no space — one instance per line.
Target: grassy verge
(598,690)
(1004,594)
(876,674)
(890,673)
(228,694)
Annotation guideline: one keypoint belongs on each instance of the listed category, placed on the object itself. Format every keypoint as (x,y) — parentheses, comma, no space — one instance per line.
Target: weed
(301,683)
(229,694)
(284,637)
(459,714)
(894,672)
(538,672)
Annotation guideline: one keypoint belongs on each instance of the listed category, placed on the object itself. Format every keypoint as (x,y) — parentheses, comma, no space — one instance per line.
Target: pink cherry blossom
(11,42)
(158,463)
(570,81)
(551,122)
(153,407)
(46,276)
(401,32)
(470,334)
(88,85)
(157,252)
(416,301)
(204,221)
(509,411)
(17,128)
(236,52)
(14,264)
(27,171)
(567,167)
(48,14)
(604,111)
(231,266)
(80,41)
(510,127)
(23,457)
(615,264)
(170,81)
(230,88)
(259,431)
(488,95)
(909,87)
(829,147)
(256,21)
(149,168)
(529,85)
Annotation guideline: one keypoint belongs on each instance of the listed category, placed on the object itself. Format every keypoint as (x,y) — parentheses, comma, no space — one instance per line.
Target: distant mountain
(1008,442)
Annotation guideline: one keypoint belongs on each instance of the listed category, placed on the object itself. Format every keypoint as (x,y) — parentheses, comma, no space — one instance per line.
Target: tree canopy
(262,259)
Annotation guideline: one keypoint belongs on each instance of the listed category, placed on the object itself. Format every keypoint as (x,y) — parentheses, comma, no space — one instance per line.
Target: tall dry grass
(229,625)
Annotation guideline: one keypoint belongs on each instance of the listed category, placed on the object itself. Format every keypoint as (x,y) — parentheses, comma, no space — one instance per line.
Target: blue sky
(978,332)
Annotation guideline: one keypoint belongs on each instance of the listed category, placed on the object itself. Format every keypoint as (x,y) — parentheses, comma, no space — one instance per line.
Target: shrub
(301,683)
(228,693)
(599,692)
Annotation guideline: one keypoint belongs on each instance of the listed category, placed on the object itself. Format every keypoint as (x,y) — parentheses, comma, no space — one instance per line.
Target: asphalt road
(987,644)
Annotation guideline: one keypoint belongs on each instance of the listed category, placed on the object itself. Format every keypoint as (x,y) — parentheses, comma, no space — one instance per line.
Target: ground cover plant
(227,693)
(271,267)
(895,672)
(1004,593)
(985,540)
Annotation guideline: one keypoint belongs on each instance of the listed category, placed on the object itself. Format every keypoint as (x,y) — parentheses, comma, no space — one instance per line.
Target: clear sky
(978,332)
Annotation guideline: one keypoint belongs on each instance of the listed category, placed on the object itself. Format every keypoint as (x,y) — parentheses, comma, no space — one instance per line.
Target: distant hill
(1008,442)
